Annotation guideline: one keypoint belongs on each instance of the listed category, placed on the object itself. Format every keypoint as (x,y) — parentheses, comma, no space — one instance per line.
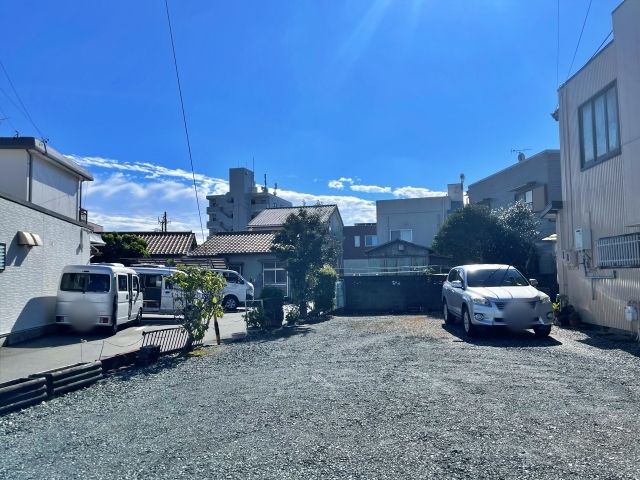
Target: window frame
(126,277)
(277,267)
(594,137)
(3,256)
(410,230)
(356,241)
(374,241)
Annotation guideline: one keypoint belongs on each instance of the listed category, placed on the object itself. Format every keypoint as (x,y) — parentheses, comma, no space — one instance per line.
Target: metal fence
(169,340)
(398,270)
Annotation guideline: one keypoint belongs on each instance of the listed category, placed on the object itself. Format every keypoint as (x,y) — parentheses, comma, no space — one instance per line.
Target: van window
(85,282)
(122,283)
(135,285)
(153,281)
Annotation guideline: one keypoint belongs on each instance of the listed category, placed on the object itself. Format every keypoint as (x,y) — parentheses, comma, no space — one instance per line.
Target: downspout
(30,176)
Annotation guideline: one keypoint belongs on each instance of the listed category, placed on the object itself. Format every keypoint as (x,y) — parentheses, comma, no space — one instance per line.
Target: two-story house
(535,181)
(599,221)
(43,227)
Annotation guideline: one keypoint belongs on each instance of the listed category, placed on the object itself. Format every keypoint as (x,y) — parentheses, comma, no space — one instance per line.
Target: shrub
(323,292)
(256,318)
(273,304)
(293,315)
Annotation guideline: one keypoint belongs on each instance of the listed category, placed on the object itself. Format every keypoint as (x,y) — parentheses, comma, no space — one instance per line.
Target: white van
(158,291)
(100,294)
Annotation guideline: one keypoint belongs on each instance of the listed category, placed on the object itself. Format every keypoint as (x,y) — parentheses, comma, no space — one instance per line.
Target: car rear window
(85,282)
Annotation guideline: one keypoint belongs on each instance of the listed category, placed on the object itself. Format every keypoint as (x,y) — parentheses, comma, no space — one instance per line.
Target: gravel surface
(384,397)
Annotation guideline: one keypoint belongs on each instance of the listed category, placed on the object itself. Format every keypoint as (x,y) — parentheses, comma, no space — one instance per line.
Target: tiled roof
(275,217)
(168,243)
(235,242)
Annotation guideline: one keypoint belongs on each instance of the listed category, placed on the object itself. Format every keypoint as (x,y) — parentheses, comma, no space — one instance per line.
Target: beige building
(598,224)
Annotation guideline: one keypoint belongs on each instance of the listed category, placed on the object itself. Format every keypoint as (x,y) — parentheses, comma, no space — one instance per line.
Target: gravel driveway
(383,397)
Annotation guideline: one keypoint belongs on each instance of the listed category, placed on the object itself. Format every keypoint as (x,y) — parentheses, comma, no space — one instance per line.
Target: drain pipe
(30,175)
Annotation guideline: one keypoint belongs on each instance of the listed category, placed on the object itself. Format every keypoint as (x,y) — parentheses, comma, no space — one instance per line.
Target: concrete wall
(29,284)
(603,197)
(422,215)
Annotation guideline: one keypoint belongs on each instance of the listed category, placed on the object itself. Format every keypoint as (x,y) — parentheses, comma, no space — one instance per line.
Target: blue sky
(385,94)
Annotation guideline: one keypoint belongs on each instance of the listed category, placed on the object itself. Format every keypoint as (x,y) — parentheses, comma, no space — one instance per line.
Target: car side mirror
(533,282)
(456,284)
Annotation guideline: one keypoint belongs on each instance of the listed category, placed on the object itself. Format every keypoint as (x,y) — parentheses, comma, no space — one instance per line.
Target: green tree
(120,247)
(305,244)
(324,287)
(476,234)
(197,294)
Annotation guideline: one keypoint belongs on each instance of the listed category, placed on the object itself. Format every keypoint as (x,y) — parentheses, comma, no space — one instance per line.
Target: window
(370,240)
(3,256)
(236,267)
(274,273)
(356,241)
(526,198)
(403,234)
(85,282)
(122,283)
(599,129)
(152,281)
(135,285)
(619,251)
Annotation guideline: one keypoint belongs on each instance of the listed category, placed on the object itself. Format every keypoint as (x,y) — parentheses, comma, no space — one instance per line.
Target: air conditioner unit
(582,238)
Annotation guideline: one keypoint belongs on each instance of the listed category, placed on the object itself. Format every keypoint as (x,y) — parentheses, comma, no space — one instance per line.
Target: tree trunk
(216,328)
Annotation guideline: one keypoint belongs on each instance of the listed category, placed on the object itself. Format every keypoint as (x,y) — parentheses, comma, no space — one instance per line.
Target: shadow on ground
(607,339)
(278,334)
(502,337)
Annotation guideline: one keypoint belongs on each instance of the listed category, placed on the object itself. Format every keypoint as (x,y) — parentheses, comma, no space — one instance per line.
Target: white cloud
(352,209)
(339,183)
(370,189)
(416,192)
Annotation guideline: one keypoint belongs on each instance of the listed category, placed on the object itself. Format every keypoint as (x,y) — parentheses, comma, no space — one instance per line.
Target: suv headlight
(481,301)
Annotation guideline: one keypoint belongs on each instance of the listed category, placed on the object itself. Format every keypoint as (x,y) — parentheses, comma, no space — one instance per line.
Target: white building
(598,223)
(42,228)
(416,220)
(232,211)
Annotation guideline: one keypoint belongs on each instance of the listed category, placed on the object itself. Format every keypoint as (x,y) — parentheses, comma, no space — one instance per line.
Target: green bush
(293,315)
(324,288)
(273,304)
(256,318)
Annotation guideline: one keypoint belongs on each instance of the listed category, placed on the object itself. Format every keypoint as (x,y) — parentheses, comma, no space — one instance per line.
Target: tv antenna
(164,222)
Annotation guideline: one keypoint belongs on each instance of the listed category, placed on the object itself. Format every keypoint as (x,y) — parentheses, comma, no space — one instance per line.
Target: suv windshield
(85,282)
(496,277)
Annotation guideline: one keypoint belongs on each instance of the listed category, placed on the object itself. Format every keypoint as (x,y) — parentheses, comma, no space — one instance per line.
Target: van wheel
(230,303)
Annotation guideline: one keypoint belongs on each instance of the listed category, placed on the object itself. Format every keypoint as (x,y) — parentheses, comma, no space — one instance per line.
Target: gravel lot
(383,397)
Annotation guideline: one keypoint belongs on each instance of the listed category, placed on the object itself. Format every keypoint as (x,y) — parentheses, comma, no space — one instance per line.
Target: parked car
(158,290)
(495,295)
(98,295)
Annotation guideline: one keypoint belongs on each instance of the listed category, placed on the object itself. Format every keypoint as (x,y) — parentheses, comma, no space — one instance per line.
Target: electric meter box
(582,238)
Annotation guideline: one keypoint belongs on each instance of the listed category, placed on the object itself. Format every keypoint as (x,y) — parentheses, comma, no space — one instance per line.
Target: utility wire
(579,38)
(601,45)
(558,45)
(184,117)
(25,111)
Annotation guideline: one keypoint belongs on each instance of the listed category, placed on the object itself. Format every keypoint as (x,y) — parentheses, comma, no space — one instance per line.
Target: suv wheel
(542,332)
(469,328)
(446,314)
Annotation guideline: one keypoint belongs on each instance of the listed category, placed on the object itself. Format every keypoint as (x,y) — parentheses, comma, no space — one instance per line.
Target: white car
(495,295)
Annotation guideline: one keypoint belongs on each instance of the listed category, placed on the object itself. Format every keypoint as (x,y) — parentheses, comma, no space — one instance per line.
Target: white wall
(28,285)
(14,180)
(424,216)
(53,188)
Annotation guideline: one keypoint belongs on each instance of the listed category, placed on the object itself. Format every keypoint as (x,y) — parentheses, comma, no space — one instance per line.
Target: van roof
(98,268)
(155,270)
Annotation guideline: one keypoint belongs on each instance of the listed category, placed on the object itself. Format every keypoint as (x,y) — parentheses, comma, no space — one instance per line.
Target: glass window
(123,285)
(274,273)
(85,282)
(404,234)
(496,277)
(599,129)
(135,285)
(356,241)
(525,197)
(153,281)
(370,240)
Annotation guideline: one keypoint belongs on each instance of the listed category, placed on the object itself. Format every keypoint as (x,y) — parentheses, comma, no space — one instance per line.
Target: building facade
(537,182)
(43,227)
(232,211)
(416,220)
(358,239)
(599,222)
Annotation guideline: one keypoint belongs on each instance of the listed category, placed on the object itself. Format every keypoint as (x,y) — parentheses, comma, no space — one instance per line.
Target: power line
(580,37)
(184,117)
(600,46)
(25,111)
(558,45)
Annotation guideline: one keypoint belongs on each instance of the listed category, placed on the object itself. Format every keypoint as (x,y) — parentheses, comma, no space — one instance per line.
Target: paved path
(55,351)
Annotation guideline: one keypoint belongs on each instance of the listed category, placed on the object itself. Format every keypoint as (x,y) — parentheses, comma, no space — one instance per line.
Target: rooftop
(537,156)
(235,243)
(275,217)
(31,143)
(167,243)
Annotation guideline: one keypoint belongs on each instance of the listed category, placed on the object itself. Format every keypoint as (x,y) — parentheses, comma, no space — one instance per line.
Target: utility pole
(163,221)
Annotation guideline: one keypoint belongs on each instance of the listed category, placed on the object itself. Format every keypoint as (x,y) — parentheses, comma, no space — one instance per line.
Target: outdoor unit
(582,238)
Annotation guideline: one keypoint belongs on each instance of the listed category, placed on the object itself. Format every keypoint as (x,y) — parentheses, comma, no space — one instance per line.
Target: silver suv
(495,295)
